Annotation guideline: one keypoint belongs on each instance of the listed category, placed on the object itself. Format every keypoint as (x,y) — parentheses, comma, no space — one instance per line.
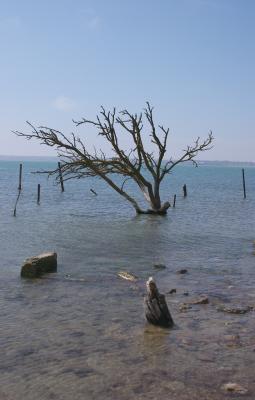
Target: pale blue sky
(194,60)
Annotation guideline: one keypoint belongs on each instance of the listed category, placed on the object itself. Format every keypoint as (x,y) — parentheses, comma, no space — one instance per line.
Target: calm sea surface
(81,334)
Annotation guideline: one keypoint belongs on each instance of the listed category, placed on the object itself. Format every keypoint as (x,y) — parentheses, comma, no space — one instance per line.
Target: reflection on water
(81,334)
(155,339)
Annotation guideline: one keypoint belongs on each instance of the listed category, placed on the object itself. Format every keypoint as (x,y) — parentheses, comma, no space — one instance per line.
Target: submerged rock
(201,300)
(232,337)
(34,267)
(184,307)
(127,275)
(232,341)
(182,271)
(234,388)
(235,310)
(159,266)
(172,291)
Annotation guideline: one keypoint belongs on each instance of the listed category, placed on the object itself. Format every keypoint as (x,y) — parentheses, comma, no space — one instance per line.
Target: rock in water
(159,266)
(182,271)
(127,276)
(234,388)
(156,309)
(235,310)
(201,300)
(34,267)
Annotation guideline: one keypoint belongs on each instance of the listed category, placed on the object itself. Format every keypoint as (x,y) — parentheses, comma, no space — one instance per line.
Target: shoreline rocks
(36,266)
(235,310)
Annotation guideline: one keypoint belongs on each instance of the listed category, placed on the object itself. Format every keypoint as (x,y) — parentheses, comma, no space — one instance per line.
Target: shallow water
(81,333)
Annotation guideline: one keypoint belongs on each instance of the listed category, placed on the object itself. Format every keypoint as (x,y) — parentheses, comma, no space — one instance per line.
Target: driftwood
(156,309)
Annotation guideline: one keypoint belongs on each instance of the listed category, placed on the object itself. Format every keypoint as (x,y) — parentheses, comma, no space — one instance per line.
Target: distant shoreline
(22,158)
(28,158)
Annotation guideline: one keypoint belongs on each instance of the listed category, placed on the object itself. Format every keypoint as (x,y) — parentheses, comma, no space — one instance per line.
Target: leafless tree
(146,169)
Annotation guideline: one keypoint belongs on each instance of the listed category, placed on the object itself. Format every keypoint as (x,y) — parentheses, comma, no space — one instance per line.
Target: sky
(193,60)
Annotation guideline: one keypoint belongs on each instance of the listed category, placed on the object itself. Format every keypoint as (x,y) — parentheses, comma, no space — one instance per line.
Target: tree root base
(160,211)
(152,212)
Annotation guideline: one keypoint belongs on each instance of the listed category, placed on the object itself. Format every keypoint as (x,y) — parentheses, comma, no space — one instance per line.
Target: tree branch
(136,164)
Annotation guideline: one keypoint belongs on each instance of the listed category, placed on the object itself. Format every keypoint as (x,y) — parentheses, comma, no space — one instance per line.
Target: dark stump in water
(156,309)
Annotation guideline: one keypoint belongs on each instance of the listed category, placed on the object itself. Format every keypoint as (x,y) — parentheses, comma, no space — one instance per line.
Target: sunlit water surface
(81,333)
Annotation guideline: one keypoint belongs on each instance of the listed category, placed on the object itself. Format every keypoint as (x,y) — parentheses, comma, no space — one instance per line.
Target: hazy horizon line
(14,157)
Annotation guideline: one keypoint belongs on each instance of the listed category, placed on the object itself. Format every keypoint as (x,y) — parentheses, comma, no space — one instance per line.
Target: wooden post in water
(184,190)
(15,207)
(174,200)
(244,188)
(93,191)
(19,190)
(61,177)
(38,193)
(20,177)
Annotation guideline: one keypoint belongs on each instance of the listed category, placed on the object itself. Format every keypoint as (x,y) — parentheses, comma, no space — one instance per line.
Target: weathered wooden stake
(244,188)
(20,177)
(61,177)
(93,191)
(19,190)
(15,207)
(184,190)
(38,193)
(156,310)
(174,200)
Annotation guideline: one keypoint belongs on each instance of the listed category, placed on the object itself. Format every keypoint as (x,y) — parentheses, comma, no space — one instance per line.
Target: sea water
(81,333)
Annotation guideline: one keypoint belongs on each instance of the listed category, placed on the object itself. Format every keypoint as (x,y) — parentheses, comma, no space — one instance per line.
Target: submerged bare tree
(146,169)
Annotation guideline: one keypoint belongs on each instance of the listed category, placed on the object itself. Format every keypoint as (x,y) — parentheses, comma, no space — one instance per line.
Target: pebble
(184,307)
(232,337)
(159,266)
(127,275)
(232,340)
(201,300)
(182,271)
(235,310)
(234,388)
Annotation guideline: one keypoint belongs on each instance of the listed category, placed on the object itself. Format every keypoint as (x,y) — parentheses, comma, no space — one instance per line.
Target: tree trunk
(153,198)
(161,211)
(156,309)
